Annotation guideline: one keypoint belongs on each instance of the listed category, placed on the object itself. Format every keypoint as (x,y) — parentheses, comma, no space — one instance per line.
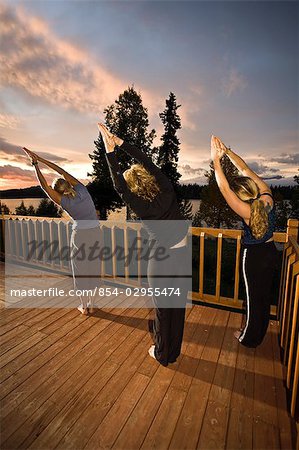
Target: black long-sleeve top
(163,207)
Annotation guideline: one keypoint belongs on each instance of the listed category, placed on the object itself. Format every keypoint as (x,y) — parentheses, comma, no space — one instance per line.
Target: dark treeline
(187,191)
(46,208)
(283,192)
(30,192)
(190,191)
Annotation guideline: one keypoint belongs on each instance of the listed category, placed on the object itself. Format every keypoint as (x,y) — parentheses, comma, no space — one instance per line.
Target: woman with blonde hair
(74,198)
(251,198)
(149,193)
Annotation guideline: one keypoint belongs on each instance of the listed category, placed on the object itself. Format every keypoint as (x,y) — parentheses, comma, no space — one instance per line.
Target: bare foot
(151,351)
(82,310)
(237,334)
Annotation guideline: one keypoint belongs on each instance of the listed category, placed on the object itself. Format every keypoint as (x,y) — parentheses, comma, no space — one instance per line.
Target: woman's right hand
(108,138)
(111,139)
(33,156)
(34,159)
(217,148)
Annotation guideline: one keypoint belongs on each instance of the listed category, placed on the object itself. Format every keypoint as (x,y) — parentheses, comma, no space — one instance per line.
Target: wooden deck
(70,381)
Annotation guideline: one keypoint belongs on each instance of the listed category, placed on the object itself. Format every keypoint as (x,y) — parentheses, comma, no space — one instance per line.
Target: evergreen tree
(191,191)
(213,210)
(168,154)
(186,208)
(31,211)
(128,119)
(4,208)
(295,199)
(283,212)
(47,208)
(21,210)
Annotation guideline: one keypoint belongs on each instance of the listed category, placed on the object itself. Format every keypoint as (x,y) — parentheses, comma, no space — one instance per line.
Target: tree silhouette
(128,119)
(47,208)
(21,210)
(4,208)
(168,153)
(31,211)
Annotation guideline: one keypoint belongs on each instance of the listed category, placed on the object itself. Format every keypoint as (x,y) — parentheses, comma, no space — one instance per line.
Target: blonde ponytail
(258,219)
(247,190)
(64,187)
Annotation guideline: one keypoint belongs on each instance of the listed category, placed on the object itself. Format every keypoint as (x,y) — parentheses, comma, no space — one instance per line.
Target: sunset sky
(232,65)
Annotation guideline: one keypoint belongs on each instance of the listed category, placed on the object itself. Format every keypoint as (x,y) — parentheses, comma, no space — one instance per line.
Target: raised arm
(67,176)
(244,169)
(51,193)
(241,208)
(143,159)
(111,141)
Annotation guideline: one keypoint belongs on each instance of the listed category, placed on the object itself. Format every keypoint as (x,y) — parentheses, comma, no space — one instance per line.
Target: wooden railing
(20,228)
(221,234)
(288,315)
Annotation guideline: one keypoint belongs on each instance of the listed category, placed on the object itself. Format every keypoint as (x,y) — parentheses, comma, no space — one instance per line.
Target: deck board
(75,382)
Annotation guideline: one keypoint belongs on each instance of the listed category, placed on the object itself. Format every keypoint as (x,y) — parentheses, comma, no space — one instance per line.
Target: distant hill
(31,192)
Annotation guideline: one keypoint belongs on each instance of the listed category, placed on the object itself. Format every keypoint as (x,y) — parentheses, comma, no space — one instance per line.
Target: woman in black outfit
(149,193)
(251,198)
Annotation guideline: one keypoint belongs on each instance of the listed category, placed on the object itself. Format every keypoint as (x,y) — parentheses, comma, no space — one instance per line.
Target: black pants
(259,262)
(168,325)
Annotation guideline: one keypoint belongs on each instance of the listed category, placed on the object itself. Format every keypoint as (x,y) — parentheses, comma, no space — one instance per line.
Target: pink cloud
(9,172)
(35,60)
(15,153)
(17,177)
(9,121)
(55,71)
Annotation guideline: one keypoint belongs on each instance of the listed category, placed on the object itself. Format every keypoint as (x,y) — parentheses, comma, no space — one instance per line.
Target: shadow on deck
(71,381)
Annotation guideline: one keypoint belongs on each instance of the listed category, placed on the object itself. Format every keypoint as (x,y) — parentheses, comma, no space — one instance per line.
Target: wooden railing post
(288,315)
(292,228)
(218,270)
(3,230)
(201,263)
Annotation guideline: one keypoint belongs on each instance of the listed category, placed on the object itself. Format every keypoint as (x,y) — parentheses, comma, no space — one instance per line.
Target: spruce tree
(31,210)
(21,210)
(47,208)
(4,208)
(128,119)
(168,154)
